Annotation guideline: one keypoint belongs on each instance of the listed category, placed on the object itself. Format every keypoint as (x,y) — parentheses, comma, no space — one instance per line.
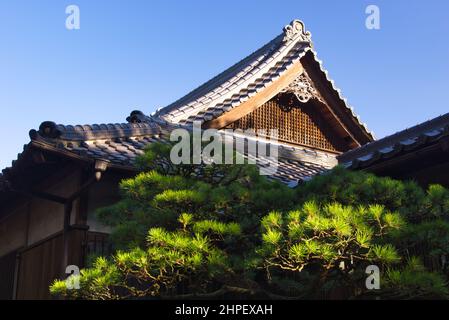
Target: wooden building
(420,153)
(50,193)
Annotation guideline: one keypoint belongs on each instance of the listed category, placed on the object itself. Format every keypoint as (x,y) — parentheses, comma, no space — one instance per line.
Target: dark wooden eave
(404,153)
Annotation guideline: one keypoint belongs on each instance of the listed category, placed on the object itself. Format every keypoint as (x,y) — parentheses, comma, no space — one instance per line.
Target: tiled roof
(231,94)
(96,131)
(405,141)
(344,101)
(248,77)
(120,144)
(292,172)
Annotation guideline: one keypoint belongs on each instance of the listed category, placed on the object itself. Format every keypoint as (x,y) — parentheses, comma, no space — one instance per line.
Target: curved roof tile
(407,140)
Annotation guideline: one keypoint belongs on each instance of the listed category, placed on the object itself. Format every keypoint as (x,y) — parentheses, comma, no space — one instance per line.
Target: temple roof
(252,75)
(247,77)
(119,144)
(406,141)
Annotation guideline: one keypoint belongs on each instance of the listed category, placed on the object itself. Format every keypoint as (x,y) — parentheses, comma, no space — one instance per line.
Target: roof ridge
(245,93)
(218,76)
(253,74)
(138,124)
(234,77)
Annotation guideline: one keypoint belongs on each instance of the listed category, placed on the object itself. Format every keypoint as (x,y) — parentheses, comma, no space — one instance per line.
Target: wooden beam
(444,143)
(271,91)
(333,102)
(335,113)
(81,159)
(403,160)
(256,101)
(38,157)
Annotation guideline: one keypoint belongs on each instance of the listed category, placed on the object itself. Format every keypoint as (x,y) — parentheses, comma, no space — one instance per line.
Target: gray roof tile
(122,147)
(407,140)
(121,143)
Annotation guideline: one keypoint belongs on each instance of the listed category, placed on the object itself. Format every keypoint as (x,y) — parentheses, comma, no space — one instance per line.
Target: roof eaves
(51,131)
(243,76)
(357,159)
(334,87)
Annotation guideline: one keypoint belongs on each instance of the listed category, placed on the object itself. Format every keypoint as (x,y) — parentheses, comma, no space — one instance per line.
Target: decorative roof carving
(296,31)
(121,143)
(251,76)
(241,81)
(303,88)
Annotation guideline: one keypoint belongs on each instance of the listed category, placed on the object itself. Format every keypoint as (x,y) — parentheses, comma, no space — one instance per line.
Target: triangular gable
(241,81)
(287,64)
(295,122)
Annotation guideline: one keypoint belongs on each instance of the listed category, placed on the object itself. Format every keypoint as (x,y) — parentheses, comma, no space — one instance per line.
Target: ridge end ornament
(296,30)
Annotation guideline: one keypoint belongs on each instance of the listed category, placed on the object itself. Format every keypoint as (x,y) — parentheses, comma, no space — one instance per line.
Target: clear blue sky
(145,54)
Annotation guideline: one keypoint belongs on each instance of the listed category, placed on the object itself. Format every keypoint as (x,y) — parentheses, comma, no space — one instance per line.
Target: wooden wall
(31,228)
(31,219)
(42,263)
(297,123)
(13,229)
(31,233)
(39,265)
(7,268)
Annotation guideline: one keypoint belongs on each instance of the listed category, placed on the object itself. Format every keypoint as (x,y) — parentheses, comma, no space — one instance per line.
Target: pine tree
(217,231)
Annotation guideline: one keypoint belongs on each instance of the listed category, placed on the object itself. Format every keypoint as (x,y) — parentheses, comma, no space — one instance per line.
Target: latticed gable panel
(296,122)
